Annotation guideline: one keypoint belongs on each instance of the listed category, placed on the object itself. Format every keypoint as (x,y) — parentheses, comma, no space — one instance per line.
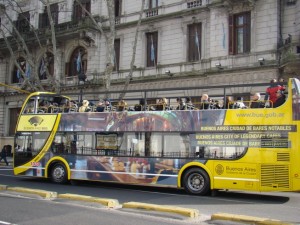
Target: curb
(42,193)
(111,203)
(3,187)
(247,219)
(193,213)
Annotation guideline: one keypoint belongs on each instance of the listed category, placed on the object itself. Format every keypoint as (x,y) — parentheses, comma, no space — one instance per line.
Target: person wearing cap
(280,99)
(85,106)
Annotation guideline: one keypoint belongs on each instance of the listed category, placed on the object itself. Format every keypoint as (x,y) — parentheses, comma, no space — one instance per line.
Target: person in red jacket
(272,90)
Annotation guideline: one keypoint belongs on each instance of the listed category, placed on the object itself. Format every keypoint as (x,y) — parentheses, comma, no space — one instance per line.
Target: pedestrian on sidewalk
(4,154)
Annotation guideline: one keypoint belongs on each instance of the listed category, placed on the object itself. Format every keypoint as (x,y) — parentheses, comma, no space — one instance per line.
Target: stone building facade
(181,43)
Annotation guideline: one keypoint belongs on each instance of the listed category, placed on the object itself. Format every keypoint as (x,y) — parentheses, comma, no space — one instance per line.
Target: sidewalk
(9,160)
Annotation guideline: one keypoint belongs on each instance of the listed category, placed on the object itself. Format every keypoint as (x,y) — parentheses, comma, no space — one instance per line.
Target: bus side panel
(131,170)
(235,175)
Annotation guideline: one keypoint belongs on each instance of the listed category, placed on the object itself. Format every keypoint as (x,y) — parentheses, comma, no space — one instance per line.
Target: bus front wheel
(59,173)
(196,181)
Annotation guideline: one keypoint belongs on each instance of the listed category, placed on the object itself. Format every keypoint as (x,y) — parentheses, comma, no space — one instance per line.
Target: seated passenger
(101,106)
(140,106)
(189,104)
(205,104)
(228,103)
(239,104)
(85,106)
(181,104)
(280,99)
(215,104)
(73,106)
(122,105)
(108,105)
(256,103)
(162,104)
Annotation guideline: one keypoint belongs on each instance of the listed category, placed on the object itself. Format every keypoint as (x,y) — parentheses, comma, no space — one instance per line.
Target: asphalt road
(283,206)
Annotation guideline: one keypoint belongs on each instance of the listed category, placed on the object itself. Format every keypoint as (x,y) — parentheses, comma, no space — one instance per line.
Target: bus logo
(219,169)
(36,120)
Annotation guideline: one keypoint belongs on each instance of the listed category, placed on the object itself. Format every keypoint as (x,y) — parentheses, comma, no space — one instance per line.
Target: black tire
(59,173)
(196,182)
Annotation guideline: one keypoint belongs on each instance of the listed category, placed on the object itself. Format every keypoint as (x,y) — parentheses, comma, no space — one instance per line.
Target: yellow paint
(59,159)
(36,122)
(38,157)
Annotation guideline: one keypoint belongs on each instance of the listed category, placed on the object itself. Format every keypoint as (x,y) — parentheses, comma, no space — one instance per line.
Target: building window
(23,22)
(152,40)
(17,74)
(78,12)
(46,63)
(194,45)
(239,33)
(118,8)
(78,64)
(117,55)
(152,4)
(43,17)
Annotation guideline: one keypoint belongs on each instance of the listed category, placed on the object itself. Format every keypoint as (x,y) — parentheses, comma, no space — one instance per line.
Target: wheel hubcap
(196,182)
(58,173)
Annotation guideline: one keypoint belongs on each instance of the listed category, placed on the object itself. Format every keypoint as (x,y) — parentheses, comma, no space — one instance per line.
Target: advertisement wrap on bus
(198,150)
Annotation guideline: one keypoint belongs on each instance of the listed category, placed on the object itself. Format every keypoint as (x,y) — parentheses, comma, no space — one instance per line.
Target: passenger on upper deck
(122,105)
(85,106)
(256,103)
(280,99)
(205,104)
(101,106)
(108,105)
(189,104)
(181,104)
(228,103)
(162,104)
(239,104)
(271,91)
(140,106)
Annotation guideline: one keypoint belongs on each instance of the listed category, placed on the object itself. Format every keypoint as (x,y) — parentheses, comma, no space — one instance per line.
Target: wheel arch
(190,165)
(55,160)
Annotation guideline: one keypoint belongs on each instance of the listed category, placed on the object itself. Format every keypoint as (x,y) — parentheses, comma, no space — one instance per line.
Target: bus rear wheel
(59,173)
(196,181)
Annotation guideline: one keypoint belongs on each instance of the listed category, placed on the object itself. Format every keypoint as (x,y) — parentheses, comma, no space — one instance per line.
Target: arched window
(78,63)
(47,61)
(17,76)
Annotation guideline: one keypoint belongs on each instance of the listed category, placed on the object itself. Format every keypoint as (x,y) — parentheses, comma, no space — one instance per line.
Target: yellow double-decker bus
(253,149)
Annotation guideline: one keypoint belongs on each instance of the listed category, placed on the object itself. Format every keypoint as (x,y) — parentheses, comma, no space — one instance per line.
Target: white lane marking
(2,222)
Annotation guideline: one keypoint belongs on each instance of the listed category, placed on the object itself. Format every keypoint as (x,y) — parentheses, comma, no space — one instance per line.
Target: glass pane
(240,20)
(175,145)
(240,40)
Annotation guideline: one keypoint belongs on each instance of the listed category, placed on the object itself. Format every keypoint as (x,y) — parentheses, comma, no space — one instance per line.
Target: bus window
(28,145)
(29,108)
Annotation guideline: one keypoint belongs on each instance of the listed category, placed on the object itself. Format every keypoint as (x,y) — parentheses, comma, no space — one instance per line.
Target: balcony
(64,31)
(194,3)
(151,12)
(290,56)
